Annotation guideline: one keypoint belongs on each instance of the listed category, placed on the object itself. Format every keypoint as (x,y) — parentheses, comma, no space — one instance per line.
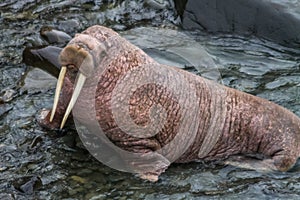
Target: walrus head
(79,60)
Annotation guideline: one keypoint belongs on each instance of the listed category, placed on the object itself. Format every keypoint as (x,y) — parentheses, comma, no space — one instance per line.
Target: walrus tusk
(77,90)
(58,89)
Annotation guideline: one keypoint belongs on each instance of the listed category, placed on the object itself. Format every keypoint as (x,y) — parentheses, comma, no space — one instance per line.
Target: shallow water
(36,164)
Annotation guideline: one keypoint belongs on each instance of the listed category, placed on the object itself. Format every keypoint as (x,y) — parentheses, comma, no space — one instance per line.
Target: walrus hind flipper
(264,165)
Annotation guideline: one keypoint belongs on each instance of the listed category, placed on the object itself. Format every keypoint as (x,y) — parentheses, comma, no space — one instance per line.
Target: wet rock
(247,85)
(30,186)
(206,181)
(76,191)
(70,25)
(2,169)
(37,80)
(69,140)
(27,185)
(275,20)
(287,96)
(78,179)
(96,197)
(282,81)
(7,148)
(7,196)
(54,36)
(44,57)
(184,52)
(4,109)
(52,176)
(15,4)
(168,58)
(254,70)
(158,4)
(7,95)
(35,142)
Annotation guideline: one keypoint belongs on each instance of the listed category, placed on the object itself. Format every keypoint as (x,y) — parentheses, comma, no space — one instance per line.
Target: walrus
(161,114)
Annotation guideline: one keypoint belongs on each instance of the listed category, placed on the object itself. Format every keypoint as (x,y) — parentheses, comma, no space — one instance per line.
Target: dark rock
(27,185)
(274,20)
(168,58)
(45,58)
(4,108)
(37,80)
(7,196)
(30,186)
(180,6)
(54,36)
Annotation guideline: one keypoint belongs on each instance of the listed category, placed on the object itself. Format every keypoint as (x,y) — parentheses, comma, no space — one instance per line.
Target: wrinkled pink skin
(252,126)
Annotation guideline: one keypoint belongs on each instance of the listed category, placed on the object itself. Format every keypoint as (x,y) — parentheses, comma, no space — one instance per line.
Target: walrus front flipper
(149,164)
(155,161)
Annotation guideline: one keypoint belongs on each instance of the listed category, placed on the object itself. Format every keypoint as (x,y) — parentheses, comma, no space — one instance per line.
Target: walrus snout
(77,56)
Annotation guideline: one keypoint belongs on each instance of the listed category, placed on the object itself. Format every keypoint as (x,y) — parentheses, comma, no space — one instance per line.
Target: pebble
(79,179)
(8,95)
(158,4)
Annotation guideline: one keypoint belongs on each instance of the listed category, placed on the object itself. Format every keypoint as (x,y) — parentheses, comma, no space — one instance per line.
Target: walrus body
(231,125)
